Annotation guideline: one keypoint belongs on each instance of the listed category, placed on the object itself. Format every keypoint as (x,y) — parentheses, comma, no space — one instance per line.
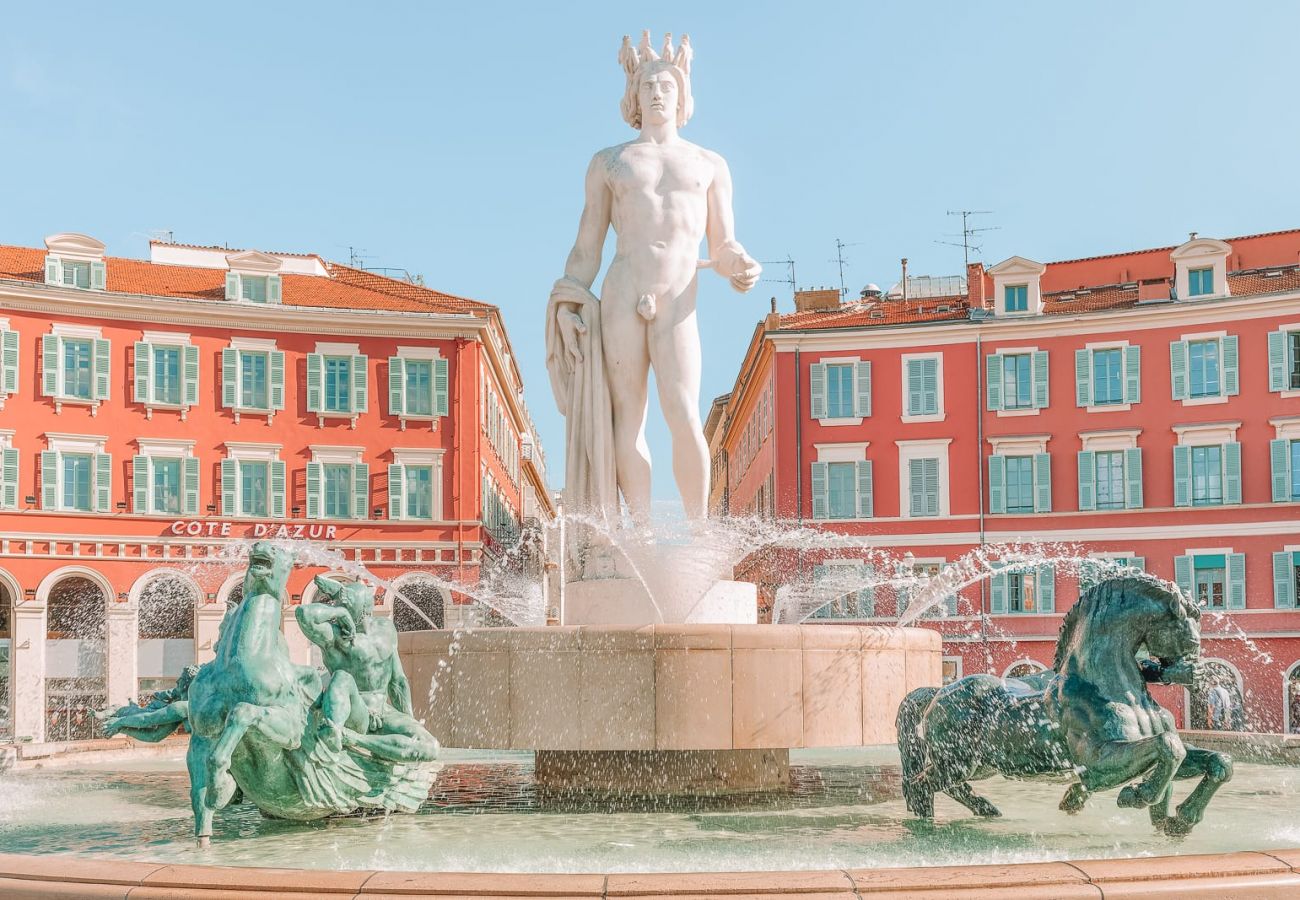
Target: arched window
(1023,667)
(1216,701)
(166,632)
(418,605)
(74,659)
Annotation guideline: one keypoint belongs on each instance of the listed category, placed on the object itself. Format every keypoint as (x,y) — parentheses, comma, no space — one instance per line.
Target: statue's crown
(632,57)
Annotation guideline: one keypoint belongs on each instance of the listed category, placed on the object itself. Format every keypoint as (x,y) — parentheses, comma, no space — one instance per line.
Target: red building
(1143,406)
(154,412)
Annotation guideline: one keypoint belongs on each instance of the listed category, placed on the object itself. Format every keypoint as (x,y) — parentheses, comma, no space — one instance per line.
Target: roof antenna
(968,232)
(788,262)
(839,258)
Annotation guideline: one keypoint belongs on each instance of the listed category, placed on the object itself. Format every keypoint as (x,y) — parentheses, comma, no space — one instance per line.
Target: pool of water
(842,811)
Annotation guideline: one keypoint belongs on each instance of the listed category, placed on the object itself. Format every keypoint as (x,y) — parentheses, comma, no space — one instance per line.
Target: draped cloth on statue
(582,394)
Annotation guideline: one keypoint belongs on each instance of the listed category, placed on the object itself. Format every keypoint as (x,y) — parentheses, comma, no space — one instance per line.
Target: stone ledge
(1199,877)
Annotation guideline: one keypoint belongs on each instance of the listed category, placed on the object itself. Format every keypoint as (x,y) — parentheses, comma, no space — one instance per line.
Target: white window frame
(923,449)
(90,333)
(848,420)
(942,409)
(1019,444)
(251,451)
(1206,434)
(1201,253)
(1030,410)
(1286,328)
(952,659)
(1222,396)
(1109,439)
(431,354)
(410,456)
(180,340)
(1093,346)
(165,448)
(325,350)
(337,456)
(254,345)
(92,444)
(1015,271)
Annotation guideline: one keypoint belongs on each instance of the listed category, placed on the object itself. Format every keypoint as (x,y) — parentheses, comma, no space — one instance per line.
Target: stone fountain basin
(667,687)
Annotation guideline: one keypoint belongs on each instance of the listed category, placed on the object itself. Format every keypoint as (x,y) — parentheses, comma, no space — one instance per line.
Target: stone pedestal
(698,773)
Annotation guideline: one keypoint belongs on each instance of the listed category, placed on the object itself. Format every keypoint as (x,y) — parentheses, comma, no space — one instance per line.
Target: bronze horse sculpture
(1093,722)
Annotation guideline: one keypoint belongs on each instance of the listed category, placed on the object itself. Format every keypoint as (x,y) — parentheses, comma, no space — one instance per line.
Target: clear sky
(451,140)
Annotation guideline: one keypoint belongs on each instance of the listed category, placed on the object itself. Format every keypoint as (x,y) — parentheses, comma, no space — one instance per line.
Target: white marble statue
(662,195)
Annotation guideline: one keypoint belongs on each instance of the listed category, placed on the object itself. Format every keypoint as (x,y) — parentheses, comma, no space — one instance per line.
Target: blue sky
(452,142)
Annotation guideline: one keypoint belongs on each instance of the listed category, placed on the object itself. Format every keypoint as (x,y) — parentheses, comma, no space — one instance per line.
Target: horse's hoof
(1130,798)
(1177,826)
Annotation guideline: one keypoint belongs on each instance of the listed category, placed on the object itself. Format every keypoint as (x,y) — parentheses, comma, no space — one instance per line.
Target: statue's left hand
(741,269)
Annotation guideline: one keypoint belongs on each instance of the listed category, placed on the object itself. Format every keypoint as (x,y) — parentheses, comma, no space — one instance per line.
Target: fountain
(659,729)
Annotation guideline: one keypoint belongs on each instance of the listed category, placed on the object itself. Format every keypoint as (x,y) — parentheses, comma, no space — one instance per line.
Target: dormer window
(75,260)
(253,277)
(1201,268)
(1016,286)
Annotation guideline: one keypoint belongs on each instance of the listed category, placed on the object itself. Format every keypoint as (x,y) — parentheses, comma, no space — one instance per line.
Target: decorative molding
(68,330)
(1111,439)
(846,452)
(1019,444)
(325,454)
(1206,434)
(165,447)
(71,245)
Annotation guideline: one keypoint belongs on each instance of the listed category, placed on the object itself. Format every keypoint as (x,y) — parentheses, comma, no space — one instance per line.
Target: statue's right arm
(584,259)
(314,619)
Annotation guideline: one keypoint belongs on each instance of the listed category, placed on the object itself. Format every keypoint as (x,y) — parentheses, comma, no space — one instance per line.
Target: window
(1107,376)
(1295,470)
(1110,479)
(414,491)
(76,274)
(253,380)
(1020,484)
(1020,592)
(1293,374)
(951,669)
(166,485)
(253,287)
(1024,591)
(839,391)
(1200,281)
(849,584)
(1207,476)
(254,487)
(338,384)
(8,361)
(78,369)
(419,387)
(338,490)
(167,375)
(1203,366)
(1286,579)
(923,477)
(1103,568)
(1017,381)
(1016,298)
(922,387)
(419,492)
(77,480)
(1209,582)
(842,490)
(1214,580)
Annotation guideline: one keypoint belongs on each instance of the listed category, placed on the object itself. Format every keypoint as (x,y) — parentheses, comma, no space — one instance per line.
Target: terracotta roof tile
(346,288)
(886,312)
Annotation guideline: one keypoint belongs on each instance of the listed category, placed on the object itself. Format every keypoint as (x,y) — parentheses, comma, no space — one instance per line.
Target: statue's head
(358,599)
(187,675)
(658,84)
(268,570)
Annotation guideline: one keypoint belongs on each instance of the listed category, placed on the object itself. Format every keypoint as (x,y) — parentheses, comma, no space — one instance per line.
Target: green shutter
(915,387)
(1182,476)
(98,275)
(1284,580)
(817,390)
(103,365)
(230,377)
(49,479)
(143,357)
(1087,480)
(360,491)
(190,375)
(103,482)
(1231,383)
(997,484)
(50,380)
(820,501)
(1042,482)
(230,487)
(1133,478)
(1236,581)
(1232,472)
(9,362)
(8,478)
(315,365)
(998,593)
(273,289)
(396,386)
(1138,562)
(1133,374)
(930,484)
(277,379)
(232,286)
(53,270)
(140,483)
(441,387)
(1183,575)
(1083,378)
(1277,368)
(1040,379)
(1178,369)
(396,494)
(866,500)
(360,385)
(993,378)
(1279,452)
(862,380)
(190,486)
(930,386)
(315,498)
(1046,577)
(278,489)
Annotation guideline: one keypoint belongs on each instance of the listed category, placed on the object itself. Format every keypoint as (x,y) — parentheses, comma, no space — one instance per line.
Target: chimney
(820,298)
(975,285)
(904,262)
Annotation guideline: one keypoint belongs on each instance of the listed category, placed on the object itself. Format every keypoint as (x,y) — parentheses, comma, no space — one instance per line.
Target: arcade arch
(1022,667)
(418,601)
(76,609)
(166,600)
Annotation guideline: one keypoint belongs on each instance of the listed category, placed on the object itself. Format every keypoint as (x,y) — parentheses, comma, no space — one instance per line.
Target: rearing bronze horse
(1095,722)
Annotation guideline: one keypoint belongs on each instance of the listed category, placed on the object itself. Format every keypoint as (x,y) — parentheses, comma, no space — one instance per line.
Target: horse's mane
(1115,590)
